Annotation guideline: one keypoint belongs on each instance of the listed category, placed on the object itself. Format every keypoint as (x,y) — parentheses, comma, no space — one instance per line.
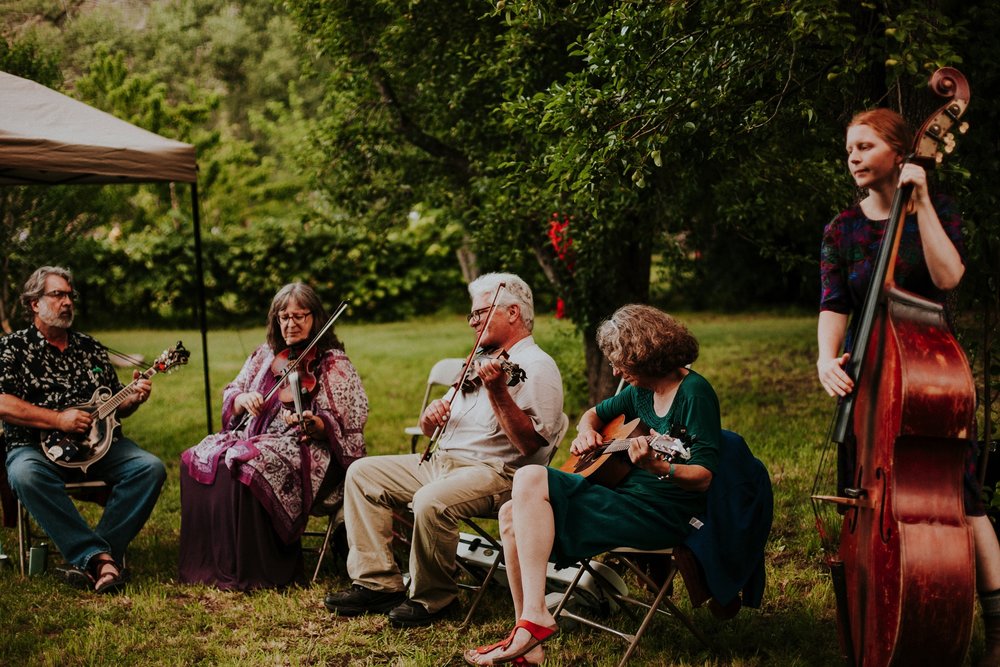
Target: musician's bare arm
(514,421)
(18,411)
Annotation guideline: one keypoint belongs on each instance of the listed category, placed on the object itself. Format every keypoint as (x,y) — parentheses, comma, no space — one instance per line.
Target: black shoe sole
(416,622)
(381,608)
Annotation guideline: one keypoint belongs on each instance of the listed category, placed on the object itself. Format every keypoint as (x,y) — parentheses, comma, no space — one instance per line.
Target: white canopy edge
(49,138)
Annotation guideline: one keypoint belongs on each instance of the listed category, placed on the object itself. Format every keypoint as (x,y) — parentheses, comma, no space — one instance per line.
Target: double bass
(903,572)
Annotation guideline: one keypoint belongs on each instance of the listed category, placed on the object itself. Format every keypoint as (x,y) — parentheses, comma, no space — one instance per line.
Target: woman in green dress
(564,517)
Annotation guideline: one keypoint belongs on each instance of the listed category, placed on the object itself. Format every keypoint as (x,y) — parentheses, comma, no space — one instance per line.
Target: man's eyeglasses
(298,318)
(477,315)
(59,295)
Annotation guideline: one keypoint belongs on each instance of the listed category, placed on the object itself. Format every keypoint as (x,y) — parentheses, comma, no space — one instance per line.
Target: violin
(904,572)
(471,381)
(300,382)
(287,368)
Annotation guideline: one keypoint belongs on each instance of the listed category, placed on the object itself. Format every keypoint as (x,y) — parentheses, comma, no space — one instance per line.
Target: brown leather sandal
(108,575)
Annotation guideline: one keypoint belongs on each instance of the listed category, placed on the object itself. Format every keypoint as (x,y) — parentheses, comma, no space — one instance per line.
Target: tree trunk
(629,284)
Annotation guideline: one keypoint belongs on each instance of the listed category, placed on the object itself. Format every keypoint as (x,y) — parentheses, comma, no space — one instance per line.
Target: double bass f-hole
(884,525)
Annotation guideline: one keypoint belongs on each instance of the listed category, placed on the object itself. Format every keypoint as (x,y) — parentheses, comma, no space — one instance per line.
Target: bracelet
(670,472)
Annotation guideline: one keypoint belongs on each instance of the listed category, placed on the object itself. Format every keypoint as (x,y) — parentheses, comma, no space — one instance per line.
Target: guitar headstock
(935,138)
(169,359)
(672,449)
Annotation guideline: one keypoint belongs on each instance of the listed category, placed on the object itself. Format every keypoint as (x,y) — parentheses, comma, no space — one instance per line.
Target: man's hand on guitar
(140,393)
(73,421)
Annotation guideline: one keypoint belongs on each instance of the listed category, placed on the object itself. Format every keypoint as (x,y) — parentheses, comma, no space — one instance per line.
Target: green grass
(761,366)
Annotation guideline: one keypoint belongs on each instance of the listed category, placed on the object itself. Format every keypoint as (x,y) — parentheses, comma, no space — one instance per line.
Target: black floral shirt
(39,373)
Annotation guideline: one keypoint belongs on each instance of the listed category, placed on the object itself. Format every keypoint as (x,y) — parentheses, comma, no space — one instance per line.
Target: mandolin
(82,450)
(601,465)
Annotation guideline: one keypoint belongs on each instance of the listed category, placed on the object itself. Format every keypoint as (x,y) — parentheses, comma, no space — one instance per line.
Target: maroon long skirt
(228,540)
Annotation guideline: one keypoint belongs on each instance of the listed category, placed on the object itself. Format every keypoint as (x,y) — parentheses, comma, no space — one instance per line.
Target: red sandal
(539,634)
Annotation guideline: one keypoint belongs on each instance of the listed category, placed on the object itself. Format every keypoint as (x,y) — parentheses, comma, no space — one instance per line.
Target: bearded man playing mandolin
(484,432)
(45,370)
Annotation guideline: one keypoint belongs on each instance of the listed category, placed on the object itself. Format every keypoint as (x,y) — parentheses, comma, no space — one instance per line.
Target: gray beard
(54,319)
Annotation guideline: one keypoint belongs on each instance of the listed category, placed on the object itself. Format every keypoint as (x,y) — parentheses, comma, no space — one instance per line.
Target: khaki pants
(443,490)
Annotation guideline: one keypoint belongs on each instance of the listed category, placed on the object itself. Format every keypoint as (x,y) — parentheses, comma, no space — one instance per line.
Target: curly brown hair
(643,340)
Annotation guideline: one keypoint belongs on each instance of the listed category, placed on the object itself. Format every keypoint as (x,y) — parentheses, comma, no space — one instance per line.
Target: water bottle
(37,559)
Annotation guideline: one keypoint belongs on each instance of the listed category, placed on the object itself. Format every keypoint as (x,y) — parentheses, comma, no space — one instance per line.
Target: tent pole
(202,316)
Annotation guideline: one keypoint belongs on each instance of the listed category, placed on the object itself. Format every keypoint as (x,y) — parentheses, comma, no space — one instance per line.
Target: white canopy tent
(47,138)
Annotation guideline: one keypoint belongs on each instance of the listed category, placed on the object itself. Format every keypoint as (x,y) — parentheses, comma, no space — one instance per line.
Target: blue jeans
(134,474)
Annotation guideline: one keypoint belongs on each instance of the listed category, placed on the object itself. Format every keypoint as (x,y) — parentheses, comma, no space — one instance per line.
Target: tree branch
(410,130)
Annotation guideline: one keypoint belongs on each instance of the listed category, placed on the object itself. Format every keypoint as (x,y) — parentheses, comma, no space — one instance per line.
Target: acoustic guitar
(82,450)
(606,465)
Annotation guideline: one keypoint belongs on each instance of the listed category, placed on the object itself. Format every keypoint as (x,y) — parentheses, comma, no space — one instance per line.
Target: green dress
(643,511)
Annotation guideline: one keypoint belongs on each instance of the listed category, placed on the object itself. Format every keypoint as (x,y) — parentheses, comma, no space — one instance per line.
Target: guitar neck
(112,404)
(622,444)
(616,446)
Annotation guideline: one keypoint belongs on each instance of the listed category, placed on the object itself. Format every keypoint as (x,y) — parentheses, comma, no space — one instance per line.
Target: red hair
(889,125)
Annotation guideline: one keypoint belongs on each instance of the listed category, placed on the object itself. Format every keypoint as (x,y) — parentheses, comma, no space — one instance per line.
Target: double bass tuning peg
(963,128)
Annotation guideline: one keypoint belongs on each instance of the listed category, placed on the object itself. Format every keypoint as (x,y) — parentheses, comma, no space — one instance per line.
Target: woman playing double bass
(246,492)
(929,263)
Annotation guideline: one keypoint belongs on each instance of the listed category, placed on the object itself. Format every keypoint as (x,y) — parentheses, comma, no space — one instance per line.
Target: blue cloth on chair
(730,545)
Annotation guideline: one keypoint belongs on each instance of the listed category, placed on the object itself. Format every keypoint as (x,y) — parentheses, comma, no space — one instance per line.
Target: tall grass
(761,366)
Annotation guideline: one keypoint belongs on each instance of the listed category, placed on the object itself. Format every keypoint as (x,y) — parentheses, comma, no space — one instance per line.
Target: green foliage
(395,275)
(695,145)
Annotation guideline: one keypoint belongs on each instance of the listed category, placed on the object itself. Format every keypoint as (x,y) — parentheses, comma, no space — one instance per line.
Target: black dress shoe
(412,614)
(358,600)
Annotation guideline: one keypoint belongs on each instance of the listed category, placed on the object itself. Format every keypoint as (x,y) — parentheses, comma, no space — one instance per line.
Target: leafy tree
(707,133)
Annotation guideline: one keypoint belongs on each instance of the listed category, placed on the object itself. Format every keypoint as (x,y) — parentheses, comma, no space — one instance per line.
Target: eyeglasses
(59,295)
(477,315)
(298,318)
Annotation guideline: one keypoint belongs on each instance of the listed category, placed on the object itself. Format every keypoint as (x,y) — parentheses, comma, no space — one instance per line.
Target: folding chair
(16,514)
(443,374)
(335,519)
(94,491)
(491,545)
(660,602)
(726,553)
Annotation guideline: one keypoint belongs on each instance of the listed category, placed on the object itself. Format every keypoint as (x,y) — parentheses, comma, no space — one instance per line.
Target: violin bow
(294,363)
(439,431)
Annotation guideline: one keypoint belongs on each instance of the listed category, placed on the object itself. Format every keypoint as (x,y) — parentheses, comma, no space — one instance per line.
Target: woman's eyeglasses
(298,318)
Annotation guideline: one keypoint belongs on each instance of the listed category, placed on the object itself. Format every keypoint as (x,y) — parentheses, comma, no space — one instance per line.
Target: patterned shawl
(284,474)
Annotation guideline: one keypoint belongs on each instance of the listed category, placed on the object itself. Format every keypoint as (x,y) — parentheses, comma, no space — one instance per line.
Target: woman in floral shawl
(246,493)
